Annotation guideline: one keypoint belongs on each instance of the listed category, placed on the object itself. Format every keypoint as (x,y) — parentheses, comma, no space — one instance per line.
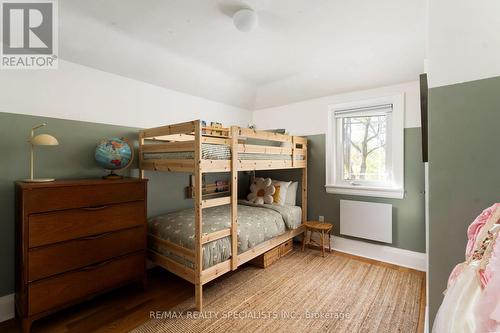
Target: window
(365,148)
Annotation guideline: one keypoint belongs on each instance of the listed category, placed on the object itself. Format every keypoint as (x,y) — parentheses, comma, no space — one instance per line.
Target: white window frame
(334,180)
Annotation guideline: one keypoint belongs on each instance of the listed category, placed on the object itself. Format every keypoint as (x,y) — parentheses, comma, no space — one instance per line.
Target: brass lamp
(39,140)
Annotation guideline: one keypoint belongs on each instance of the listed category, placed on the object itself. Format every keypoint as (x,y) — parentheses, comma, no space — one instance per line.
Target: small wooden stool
(320,227)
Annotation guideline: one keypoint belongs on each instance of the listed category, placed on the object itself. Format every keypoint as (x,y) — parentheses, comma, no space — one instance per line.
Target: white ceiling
(301,49)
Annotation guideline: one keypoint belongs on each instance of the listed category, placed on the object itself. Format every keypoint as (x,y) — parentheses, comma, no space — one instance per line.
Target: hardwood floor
(118,311)
(126,308)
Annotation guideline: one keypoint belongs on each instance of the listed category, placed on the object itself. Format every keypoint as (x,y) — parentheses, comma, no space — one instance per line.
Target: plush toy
(261,191)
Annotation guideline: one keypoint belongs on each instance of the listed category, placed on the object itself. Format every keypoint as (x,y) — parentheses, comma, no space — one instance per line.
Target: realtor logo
(29,34)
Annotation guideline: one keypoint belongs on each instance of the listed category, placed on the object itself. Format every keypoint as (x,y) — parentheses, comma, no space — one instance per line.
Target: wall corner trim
(6,307)
(392,255)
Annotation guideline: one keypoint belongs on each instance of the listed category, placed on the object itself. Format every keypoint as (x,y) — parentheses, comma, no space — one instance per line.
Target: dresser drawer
(48,228)
(67,197)
(62,257)
(67,288)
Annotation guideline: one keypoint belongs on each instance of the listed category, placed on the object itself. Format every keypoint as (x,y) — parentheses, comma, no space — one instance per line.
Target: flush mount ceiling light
(245,20)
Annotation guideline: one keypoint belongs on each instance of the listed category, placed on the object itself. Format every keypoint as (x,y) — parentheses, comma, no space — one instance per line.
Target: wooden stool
(320,227)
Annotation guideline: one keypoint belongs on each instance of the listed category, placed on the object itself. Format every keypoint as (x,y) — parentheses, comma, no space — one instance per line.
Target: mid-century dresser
(76,239)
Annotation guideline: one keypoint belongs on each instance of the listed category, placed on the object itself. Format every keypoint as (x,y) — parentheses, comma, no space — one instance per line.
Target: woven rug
(302,292)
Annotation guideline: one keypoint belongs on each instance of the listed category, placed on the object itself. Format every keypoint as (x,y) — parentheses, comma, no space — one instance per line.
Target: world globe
(114,154)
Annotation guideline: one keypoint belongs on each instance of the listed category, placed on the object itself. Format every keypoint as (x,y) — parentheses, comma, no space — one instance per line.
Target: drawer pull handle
(95,208)
(96,236)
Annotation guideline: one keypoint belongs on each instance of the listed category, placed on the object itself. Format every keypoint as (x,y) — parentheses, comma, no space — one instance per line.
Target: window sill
(380,192)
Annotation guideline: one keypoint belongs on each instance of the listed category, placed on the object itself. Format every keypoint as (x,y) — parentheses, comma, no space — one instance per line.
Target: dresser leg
(26,325)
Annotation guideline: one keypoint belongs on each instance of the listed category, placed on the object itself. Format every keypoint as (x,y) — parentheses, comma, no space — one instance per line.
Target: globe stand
(112,176)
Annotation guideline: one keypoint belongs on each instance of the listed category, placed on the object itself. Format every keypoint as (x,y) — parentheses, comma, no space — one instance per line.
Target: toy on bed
(261,191)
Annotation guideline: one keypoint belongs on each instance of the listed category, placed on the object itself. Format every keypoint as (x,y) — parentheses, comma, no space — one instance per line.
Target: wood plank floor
(129,307)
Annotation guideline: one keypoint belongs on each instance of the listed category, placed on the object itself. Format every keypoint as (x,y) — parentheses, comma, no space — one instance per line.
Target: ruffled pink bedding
(475,228)
(482,255)
(488,307)
(472,235)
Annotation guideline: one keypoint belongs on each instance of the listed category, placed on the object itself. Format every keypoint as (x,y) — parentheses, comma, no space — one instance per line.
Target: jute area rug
(302,292)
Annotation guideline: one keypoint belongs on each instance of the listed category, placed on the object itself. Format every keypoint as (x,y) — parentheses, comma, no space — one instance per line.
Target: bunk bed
(192,148)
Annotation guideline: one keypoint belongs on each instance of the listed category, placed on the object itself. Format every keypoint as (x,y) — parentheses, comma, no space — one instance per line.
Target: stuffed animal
(261,191)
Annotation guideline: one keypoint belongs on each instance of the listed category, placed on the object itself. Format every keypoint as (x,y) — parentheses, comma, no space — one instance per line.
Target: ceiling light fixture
(245,20)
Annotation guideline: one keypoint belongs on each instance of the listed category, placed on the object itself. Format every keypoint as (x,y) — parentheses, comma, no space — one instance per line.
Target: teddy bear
(261,191)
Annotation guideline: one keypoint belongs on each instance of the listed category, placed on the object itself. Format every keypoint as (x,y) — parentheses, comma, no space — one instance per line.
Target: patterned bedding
(256,224)
(218,152)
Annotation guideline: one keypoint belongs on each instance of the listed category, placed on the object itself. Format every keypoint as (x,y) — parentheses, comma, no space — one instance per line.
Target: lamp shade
(44,140)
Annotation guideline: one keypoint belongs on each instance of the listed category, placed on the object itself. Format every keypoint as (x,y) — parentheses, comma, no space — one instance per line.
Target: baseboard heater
(366,220)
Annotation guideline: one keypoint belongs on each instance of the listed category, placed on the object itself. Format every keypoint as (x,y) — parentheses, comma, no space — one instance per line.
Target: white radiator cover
(366,220)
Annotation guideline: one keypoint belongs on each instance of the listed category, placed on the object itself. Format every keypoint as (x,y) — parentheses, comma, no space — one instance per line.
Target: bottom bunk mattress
(256,224)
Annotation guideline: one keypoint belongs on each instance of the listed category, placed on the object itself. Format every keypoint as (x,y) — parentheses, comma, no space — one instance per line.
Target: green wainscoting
(408,213)
(73,158)
(464,171)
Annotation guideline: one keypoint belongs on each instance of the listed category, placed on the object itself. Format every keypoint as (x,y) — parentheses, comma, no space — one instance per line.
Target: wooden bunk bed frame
(189,137)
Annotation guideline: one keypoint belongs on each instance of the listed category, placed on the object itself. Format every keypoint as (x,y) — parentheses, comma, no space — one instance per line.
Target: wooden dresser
(76,239)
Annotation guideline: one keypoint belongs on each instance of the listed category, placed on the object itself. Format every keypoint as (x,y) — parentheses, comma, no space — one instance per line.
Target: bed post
(198,265)
(141,143)
(234,197)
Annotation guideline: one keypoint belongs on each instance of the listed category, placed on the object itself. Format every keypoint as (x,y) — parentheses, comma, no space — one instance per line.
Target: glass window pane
(364,148)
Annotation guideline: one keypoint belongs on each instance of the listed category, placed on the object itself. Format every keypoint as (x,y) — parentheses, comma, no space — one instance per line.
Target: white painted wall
(7,307)
(464,43)
(310,117)
(82,93)
(115,49)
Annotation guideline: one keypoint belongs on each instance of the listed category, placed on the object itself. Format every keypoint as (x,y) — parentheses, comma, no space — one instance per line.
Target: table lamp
(39,140)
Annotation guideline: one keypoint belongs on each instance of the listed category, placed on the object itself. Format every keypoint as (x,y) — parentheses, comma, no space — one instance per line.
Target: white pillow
(291,194)
(283,189)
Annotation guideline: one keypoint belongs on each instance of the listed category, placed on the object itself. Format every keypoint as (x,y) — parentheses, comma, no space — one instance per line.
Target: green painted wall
(464,171)
(73,158)
(408,213)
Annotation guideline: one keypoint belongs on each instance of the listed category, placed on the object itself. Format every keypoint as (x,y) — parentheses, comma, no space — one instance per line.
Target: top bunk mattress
(218,152)
(256,224)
